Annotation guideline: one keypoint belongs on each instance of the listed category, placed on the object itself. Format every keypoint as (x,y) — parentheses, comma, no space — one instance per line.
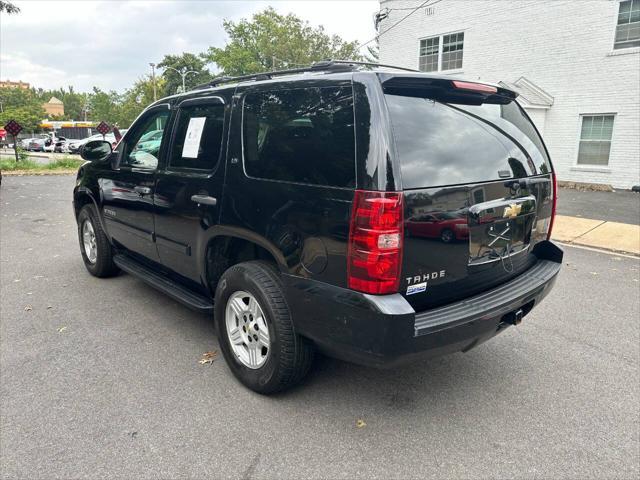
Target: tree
(373,53)
(183,63)
(270,41)
(74,103)
(104,105)
(136,99)
(8,7)
(23,106)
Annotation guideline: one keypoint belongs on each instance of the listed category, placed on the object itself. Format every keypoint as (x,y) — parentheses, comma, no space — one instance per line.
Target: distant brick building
(10,84)
(54,107)
(576,66)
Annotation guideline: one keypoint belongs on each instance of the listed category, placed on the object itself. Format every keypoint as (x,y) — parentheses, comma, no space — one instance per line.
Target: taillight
(554,203)
(476,87)
(374,257)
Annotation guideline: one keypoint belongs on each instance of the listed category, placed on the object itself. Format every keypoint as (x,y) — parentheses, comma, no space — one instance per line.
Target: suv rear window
(300,135)
(448,144)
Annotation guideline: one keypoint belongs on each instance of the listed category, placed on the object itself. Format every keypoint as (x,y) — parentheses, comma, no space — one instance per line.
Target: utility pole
(153,79)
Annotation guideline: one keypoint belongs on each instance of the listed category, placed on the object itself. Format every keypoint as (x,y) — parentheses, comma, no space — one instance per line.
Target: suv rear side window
(448,144)
(301,135)
(198,138)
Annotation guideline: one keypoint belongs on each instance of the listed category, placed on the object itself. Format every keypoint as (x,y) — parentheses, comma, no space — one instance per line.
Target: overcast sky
(110,43)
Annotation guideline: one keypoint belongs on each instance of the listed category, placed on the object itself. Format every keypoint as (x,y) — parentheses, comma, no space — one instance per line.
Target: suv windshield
(448,144)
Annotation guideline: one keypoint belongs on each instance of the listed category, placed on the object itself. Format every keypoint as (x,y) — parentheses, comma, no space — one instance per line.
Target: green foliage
(8,7)
(104,105)
(8,164)
(267,41)
(23,106)
(66,163)
(273,41)
(136,99)
(23,155)
(183,63)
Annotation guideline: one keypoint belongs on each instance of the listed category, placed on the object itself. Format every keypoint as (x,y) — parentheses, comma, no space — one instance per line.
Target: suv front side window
(143,147)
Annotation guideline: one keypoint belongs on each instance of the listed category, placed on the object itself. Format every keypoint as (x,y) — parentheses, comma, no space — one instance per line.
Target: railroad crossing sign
(13,127)
(103,128)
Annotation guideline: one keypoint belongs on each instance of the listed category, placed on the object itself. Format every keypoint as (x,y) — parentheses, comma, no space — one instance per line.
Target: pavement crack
(248,473)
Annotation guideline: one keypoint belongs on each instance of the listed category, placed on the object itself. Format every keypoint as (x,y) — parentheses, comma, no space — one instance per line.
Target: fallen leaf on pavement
(208,358)
(360,423)
(61,329)
(28,308)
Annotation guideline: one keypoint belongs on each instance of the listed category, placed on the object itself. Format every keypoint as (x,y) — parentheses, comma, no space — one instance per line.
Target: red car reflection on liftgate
(447,226)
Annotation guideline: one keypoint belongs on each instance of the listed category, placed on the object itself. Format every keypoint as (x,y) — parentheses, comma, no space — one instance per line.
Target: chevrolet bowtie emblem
(512,210)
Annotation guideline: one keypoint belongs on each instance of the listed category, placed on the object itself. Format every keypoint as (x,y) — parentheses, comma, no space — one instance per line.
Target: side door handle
(142,190)
(204,200)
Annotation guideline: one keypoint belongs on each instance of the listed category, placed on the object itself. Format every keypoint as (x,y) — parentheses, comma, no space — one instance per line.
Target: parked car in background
(73,146)
(24,143)
(41,145)
(150,142)
(60,144)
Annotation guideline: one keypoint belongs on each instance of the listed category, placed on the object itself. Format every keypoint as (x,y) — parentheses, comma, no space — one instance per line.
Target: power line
(414,10)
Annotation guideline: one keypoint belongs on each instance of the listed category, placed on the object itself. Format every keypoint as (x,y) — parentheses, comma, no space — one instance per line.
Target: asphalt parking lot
(100,378)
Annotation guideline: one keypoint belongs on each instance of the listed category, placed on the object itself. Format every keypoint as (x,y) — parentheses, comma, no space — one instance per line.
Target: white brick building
(575,63)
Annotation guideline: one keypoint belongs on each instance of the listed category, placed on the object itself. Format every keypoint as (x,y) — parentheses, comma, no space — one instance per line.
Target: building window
(429,49)
(628,27)
(441,53)
(595,139)
(452,51)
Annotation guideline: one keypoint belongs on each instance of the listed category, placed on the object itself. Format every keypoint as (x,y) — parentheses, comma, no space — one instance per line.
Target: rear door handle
(142,190)
(204,200)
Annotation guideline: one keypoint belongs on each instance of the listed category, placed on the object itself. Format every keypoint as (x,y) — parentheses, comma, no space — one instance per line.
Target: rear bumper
(385,331)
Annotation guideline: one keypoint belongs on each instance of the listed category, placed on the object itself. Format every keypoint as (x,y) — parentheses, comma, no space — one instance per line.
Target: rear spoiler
(444,89)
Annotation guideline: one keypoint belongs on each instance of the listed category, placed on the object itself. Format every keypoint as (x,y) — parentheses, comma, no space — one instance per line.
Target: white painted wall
(563,46)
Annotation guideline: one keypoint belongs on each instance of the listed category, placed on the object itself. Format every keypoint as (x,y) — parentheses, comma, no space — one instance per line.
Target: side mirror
(96,150)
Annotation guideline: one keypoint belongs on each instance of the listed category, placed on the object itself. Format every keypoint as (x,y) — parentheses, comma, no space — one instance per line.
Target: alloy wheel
(247,330)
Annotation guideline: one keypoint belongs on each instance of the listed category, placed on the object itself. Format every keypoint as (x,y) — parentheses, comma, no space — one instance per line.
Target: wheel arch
(84,196)
(232,245)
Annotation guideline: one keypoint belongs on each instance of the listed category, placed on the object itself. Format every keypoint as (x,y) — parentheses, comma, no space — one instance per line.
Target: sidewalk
(606,220)
(620,206)
(619,237)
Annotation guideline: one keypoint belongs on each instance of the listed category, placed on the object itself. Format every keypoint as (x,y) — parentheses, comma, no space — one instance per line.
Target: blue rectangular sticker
(417,288)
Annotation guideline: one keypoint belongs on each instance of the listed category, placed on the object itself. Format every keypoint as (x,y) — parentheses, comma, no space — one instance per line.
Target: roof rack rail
(321,66)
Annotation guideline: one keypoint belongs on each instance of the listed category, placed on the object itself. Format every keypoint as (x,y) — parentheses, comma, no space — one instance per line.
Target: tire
(101,265)
(288,357)
(447,235)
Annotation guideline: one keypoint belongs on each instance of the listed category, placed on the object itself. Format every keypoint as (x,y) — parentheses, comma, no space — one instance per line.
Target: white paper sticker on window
(192,138)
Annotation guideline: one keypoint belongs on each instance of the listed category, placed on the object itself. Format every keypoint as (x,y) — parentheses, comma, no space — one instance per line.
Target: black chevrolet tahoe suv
(376,215)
